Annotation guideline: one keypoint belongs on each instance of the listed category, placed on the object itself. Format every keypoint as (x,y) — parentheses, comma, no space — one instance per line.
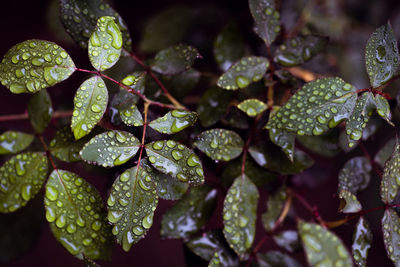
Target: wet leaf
(105,44)
(276,259)
(181,85)
(316,107)
(382,58)
(175,59)
(215,260)
(385,152)
(77,216)
(240,214)
(348,202)
(90,103)
(390,182)
(168,187)
(33,65)
(325,145)
(79,19)
(176,160)
(174,121)
(110,149)
(300,49)
(131,205)
(275,204)
(123,104)
(12,142)
(288,240)
(391,237)
(383,108)
(190,213)
(22,177)
(228,46)
(355,175)
(252,107)
(266,19)
(220,144)
(40,110)
(243,72)
(323,247)
(283,139)
(362,240)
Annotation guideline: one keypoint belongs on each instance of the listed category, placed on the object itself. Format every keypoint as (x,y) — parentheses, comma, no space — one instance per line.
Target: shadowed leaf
(362,239)
(12,142)
(266,19)
(40,110)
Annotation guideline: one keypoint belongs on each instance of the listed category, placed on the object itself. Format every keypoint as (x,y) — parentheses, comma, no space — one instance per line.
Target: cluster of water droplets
(266,18)
(174,121)
(252,107)
(362,239)
(391,234)
(14,142)
(390,183)
(64,146)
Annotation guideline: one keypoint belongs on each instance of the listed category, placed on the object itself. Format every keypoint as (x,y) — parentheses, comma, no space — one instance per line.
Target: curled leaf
(252,107)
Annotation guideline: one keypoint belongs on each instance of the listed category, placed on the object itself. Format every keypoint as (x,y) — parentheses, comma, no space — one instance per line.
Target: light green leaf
(276,259)
(383,108)
(40,110)
(168,187)
(131,205)
(190,213)
(240,214)
(390,182)
(79,19)
(110,149)
(266,19)
(177,160)
(323,247)
(243,72)
(252,107)
(33,65)
(382,58)
(391,237)
(362,240)
(385,152)
(348,202)
(275,204)
(220,144)
(175,59)
(174,121)
(288,240)
(284,139)
(90,103)
(77,216)
(105,44)
(12,142)
(21,178)
(316,107)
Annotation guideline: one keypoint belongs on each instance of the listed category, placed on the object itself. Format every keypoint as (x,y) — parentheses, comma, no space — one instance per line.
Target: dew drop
(242,81)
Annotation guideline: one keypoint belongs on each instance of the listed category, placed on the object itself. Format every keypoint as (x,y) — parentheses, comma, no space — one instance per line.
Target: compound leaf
(252,107)
(266,19)
(362,240)
(391,180)
(391,237)
(174,121)
(12,142)
(40,110)
(275,204)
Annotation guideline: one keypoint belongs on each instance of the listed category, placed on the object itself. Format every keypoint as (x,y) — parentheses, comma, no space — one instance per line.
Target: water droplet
(243,221)
(176,154)
(171,143)
(80,222)
(182,177)
(193,160)
(242,81)
(50,214)
(137,230)
(26,192)
(96,108)
(121,137)
(96,225)
(158,145)
(312,242)
(114,216)
(51,193)
(71,228)
(61,221)
(19,168)
(147,221)
(115,33)
(87,241)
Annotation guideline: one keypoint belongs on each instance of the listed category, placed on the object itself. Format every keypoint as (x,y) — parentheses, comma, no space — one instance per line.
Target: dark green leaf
(391,237)
(215,260)
(316,107)
(283,139)
(276,259)
(40,110)
(175,59)
(77,216)
(131,205)
(124,102)
(174,121)
(382,56)
(300,49)
(79,19)
(240,214)
(220,144)
(383,108)
(348,202)
(168,187)
(33,65)
(322,247)
(266,19)
(288,240)
(362,239)
(12,142)
(243,72)
(181,85)
(90,103)
(385,152)
(110,149)
(176,160)
(355,175)
(190,213)
(21,178)
(325,145)
(252,107)
(236,119)
(390,182)
(105,44)
(275,204)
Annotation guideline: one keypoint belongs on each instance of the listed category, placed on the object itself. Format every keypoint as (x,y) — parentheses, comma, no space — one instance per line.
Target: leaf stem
(312,209)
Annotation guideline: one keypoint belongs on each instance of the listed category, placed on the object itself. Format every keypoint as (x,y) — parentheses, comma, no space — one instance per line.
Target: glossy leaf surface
(355,175)
(252,107)
(276,259)
(349,202)
(362,239)
(13,142)
(391,236)
(325,145)
(383,108)
(123,104)
(288,240)
(275,204)
(283,139)
(266,19)
(40,110)
(390,182)
(385,152)
(174,121)
(168,187)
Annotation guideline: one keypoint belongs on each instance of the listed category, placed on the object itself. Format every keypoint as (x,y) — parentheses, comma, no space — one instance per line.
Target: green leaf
(288,240)
(215,260)
(33,65)
(12,142)
(175,59)
(105,44)
(391,237)
(177,160)
(348,202)
(243,72)
(77,216)
(22,177)
(190,213)
(276,259)
(383,108)
(252,107)
(124,105)
(385,152)
(275,204)
(325,145)
(300,49)
(236,119)
(181,85)
(390,182)
(90,103)
(382,58)
(40,110)
(240,214)
(284,139)
(316,107)
(131,205)
(110,149)
(174,121)
(362,240)
(266,19)
(168,187)
(220,144)
(322,247)
(228,46)
(355,175)
(79,19)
